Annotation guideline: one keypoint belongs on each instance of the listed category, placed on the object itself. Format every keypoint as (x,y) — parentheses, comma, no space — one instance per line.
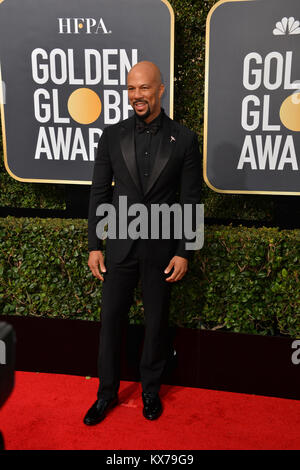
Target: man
(150,158)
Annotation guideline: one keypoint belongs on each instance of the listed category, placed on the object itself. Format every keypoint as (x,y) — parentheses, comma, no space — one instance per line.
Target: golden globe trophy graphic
(290,112)
(252,97)
(64,68)
(84,106)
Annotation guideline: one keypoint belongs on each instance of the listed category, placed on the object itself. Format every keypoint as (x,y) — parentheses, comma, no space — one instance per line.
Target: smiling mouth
(140,105)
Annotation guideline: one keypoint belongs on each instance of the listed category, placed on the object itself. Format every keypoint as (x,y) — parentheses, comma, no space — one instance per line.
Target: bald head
(148,68)
(145,89)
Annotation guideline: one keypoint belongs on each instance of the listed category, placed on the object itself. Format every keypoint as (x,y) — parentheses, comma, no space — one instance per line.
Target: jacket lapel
(167,145)
(128,150)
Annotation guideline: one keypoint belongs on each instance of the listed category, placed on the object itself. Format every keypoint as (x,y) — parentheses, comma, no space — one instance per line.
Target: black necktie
(142,126)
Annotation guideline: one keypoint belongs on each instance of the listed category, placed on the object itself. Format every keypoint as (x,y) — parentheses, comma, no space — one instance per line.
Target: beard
(146,113)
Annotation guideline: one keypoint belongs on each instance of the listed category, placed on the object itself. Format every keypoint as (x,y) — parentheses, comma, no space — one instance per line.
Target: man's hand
(180,266)
(96,258)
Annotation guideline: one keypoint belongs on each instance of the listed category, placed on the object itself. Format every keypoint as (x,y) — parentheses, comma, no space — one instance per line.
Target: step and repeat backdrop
(252,97)
(63,75)
(64,66)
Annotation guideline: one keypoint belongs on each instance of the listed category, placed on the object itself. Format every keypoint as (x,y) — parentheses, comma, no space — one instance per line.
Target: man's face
(144,92)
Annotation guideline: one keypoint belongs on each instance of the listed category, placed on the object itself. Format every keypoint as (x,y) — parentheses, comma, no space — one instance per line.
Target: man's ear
(161,89)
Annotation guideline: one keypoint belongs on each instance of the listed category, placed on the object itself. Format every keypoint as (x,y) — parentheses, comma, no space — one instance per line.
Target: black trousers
(117,296)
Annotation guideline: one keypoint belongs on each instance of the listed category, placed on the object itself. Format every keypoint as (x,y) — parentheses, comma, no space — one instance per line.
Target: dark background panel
(236,29)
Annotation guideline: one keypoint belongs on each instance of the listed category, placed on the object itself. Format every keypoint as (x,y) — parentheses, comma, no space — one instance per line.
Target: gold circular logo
(84,106)
(290,112)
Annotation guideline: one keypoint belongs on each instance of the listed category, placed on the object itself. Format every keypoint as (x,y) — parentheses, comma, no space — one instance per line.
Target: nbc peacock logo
(287,26)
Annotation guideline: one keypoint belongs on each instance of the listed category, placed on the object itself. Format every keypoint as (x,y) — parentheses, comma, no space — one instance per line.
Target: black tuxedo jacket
(175,177)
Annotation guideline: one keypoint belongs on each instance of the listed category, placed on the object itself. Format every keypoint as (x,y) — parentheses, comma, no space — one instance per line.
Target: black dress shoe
(152,405)
(99,410)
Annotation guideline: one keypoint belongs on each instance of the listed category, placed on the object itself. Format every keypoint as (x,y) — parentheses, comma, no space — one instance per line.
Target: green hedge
(190,21)
(243,280)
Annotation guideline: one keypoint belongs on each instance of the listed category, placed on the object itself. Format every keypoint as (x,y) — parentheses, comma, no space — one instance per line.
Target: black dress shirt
(147,142)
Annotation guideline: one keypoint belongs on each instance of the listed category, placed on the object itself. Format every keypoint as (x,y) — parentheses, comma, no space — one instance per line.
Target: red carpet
(45,411)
